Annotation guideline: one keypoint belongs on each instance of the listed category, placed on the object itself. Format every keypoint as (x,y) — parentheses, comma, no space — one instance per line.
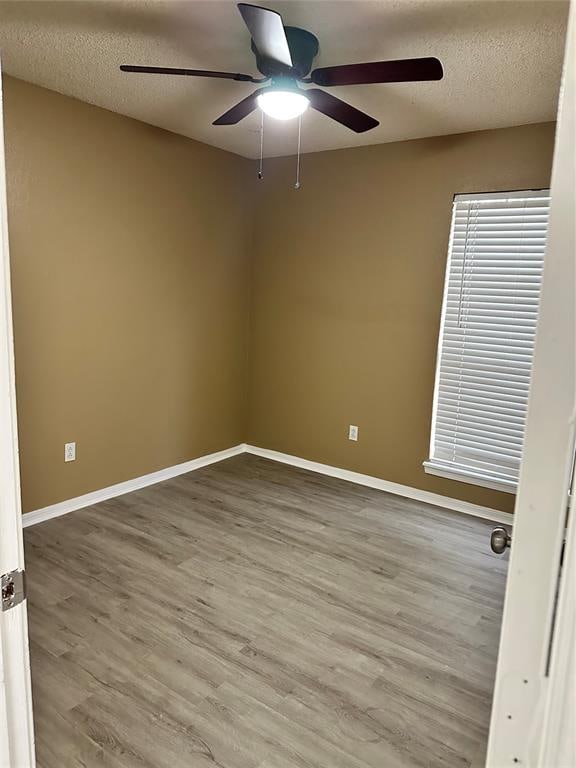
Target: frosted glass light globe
(283,105)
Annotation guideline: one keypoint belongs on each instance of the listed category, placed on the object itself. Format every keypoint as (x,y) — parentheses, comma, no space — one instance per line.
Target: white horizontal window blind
(489,316)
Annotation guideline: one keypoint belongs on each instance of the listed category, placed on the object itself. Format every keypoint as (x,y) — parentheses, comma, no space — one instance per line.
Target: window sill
(464,477)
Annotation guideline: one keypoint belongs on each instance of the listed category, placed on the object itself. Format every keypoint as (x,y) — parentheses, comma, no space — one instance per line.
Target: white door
(16,725)
(537,643)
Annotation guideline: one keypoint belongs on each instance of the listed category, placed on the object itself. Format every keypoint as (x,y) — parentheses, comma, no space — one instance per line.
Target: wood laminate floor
(252,615)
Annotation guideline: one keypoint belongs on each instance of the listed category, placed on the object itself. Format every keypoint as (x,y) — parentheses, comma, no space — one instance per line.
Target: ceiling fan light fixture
(285,56)
(283,104)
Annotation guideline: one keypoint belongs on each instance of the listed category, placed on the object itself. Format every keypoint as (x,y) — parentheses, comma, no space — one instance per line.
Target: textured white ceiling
(502,63)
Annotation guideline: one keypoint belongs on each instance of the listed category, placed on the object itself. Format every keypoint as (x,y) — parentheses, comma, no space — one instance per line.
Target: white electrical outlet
(70,452)
(352,432)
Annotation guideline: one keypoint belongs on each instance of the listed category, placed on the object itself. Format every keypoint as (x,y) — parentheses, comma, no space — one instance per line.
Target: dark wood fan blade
(400,71)
(267,31)
(239,111)
(340,111)
(189,72)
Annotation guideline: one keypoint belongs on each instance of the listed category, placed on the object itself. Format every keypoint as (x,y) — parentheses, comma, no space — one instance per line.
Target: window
(489,315)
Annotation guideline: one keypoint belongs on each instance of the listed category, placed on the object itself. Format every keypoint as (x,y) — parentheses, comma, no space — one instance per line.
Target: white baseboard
(385,485)
(70,505)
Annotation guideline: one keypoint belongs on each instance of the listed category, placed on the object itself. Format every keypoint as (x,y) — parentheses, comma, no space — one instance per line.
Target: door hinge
(13,589)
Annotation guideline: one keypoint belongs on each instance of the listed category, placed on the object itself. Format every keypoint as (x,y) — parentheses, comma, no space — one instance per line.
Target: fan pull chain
(297,185)
(261,168)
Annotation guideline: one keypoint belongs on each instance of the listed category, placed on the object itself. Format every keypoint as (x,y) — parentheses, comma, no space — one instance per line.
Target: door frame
(16,722)
(558,745)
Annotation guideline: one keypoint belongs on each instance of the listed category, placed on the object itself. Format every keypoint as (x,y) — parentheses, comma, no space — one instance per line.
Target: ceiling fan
(284,55)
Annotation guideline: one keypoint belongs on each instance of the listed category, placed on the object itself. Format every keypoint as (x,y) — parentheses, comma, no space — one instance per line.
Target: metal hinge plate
(13,589)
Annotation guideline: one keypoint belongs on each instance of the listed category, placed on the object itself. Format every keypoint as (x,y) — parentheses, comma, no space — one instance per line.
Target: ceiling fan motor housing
(303,47)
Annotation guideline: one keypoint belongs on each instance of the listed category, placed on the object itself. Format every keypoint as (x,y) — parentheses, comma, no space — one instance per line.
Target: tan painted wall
(134,253)
(347,294)
(129,249)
